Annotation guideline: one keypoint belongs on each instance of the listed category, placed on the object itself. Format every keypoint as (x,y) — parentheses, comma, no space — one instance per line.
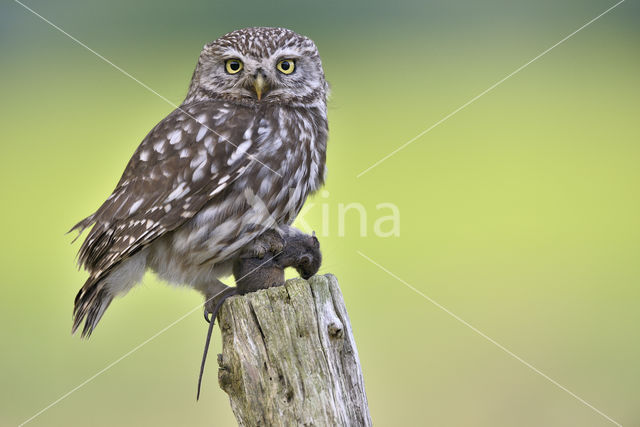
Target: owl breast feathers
(211,176)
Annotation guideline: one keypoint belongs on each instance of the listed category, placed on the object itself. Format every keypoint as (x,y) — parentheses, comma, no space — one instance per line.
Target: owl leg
(212,291)
(269,241)
(300,251)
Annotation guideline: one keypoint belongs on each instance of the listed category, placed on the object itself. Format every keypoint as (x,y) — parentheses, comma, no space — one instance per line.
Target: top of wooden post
(289,357)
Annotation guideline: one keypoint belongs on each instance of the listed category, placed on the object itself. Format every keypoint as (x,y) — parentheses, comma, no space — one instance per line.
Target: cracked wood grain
(289,357)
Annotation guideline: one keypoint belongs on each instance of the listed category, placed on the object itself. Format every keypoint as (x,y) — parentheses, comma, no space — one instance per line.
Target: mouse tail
(226,294)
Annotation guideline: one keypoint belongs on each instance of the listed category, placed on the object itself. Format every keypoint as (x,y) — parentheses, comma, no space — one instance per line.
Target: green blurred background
(520,214)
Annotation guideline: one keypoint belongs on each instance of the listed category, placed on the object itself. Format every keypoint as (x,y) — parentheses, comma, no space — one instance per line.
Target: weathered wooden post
(289,357)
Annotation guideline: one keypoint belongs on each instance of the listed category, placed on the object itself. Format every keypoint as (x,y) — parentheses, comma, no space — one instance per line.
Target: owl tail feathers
(81,226)
(90,304)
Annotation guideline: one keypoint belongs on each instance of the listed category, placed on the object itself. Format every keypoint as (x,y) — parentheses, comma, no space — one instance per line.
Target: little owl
(251,131)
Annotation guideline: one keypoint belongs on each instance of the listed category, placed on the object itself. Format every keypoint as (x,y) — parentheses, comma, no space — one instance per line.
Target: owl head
(260,65)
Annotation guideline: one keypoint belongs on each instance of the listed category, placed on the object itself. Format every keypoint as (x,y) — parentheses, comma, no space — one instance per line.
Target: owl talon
(209,307)
(301,251)
(269,242)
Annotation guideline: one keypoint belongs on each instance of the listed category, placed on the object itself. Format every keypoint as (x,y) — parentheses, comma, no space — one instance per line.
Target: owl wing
(184,162)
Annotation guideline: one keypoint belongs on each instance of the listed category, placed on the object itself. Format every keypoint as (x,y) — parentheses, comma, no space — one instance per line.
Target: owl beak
(260,85)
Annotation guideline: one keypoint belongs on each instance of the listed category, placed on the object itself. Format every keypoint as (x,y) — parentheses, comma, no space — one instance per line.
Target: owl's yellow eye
(233,66)
(286,66)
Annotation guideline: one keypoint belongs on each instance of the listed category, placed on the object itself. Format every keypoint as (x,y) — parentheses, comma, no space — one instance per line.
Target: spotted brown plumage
(185,205)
